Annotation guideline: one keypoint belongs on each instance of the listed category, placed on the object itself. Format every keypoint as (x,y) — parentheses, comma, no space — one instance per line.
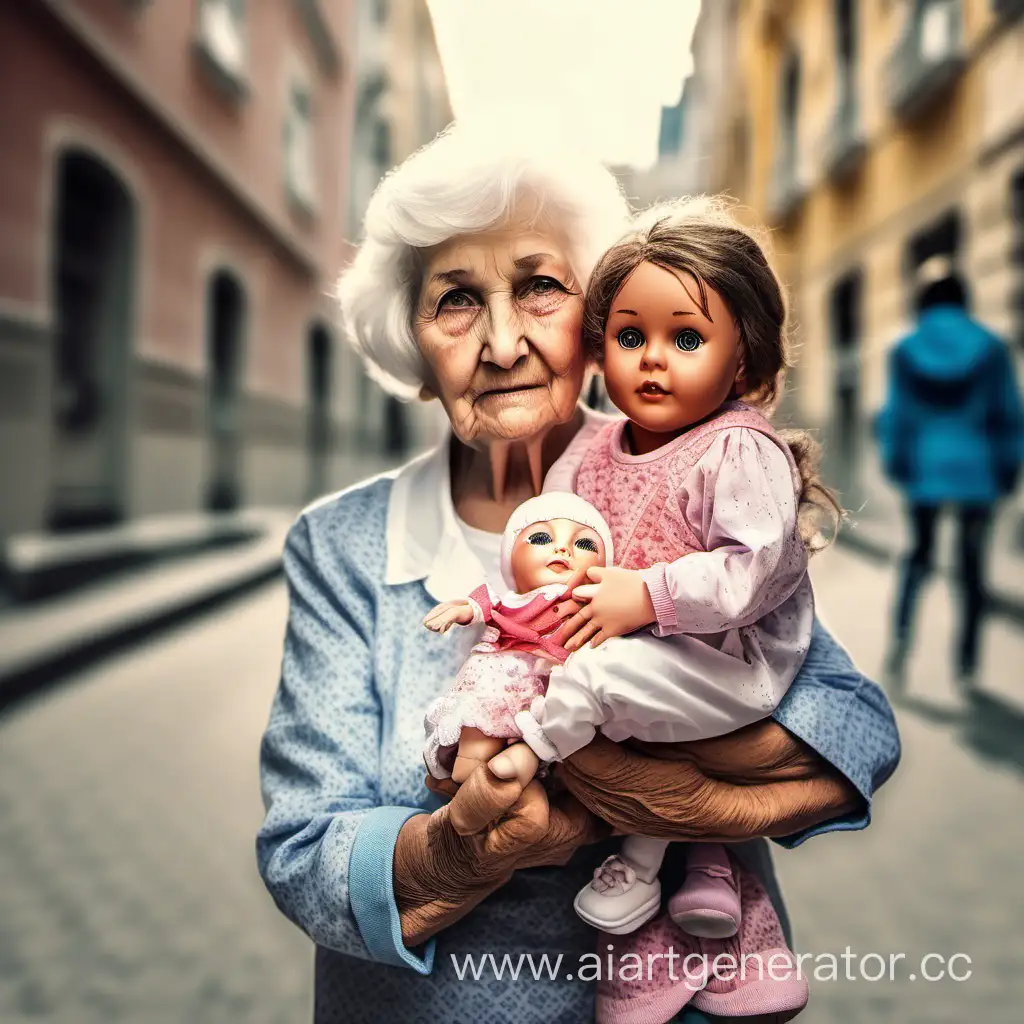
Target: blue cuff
(371,890)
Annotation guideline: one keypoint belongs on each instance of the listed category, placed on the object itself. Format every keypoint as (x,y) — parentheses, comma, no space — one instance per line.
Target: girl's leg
(708,904)
(625,892)
(475,748)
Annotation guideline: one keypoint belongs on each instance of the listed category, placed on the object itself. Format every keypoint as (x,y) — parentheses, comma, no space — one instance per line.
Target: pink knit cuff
(657,587)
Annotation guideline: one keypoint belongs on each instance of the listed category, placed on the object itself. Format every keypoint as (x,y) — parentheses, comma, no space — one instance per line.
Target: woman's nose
(506,344)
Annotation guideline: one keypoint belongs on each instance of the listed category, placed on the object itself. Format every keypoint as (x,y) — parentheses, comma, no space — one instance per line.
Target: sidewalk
(40,641)
(878,527)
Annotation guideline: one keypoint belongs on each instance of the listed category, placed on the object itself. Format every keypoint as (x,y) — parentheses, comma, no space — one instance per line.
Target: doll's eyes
(540,537)
(587,544)
(630,338)
(688,340)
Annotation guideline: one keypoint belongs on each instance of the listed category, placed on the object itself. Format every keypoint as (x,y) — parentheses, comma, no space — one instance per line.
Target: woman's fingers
(481,800)
(524,825)
(586,593)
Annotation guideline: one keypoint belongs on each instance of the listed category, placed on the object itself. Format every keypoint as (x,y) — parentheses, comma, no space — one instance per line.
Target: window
(382,145)
(300,174)
(222,34)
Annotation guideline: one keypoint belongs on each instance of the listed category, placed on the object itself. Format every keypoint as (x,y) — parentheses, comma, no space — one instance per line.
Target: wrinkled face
(551,551)
(498,323)
(666,364)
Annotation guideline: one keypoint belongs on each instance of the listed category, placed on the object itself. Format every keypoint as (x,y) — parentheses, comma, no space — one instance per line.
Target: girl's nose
(653,356)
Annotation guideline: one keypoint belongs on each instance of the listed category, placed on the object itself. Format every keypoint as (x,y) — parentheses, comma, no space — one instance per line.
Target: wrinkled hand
(758,781)
(447,862)
(442,617)
(617,602)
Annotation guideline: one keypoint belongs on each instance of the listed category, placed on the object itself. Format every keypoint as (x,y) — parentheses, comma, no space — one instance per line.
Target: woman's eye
(630,338)
(587,544)
(540,537)
(456,300)
(688,340)
(544,285)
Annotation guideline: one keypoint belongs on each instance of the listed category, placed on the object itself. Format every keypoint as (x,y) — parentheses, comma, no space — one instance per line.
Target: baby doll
(705,502)
(549,544)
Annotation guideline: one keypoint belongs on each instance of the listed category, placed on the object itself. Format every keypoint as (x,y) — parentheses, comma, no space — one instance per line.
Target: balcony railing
(843,144)
(927,58)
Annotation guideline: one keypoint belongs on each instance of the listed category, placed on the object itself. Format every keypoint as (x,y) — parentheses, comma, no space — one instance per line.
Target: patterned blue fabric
(342,770)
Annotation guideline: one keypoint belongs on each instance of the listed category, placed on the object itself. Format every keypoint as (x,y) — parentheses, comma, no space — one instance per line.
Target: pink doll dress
(505,671)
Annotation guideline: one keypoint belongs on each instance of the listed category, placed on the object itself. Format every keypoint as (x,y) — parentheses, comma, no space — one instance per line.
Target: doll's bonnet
(543,508)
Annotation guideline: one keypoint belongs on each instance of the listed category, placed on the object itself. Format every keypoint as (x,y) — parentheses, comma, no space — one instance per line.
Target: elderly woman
(468,289)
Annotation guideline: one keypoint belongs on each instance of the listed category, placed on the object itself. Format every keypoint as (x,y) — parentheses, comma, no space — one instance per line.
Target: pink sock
(758,973)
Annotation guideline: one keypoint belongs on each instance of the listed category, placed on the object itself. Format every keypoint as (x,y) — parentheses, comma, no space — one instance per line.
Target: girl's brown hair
(701,238)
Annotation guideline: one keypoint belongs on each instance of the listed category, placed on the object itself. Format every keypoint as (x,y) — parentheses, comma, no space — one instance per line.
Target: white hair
(464,182)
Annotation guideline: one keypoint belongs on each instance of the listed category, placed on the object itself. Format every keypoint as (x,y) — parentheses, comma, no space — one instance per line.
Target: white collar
(424,539)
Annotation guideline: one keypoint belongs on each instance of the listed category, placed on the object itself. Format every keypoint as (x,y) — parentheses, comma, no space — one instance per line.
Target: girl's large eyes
(587,544)
(540,537)
(630,338)
(688,340)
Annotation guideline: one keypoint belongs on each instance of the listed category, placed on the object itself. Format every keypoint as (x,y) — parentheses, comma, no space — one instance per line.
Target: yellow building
(873,135)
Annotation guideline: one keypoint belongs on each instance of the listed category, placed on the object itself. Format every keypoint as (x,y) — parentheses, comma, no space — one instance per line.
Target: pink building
(172,203)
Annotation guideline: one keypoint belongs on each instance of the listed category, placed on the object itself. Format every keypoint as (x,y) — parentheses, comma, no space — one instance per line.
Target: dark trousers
(974,522)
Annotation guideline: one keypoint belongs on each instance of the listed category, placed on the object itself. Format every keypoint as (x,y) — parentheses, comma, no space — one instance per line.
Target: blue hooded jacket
(952,429)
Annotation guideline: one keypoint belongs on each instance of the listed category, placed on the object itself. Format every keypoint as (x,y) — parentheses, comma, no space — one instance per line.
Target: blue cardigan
(342,771)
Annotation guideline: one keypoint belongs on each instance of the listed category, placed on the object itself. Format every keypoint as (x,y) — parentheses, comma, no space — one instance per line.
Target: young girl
(549,544)
(712,517)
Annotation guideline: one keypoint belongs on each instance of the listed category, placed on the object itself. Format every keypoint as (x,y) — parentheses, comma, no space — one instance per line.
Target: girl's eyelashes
(630,338)
(540,537)
(688,340)
(587,544)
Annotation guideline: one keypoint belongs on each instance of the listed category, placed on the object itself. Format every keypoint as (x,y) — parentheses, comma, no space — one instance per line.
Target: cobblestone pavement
(129,800)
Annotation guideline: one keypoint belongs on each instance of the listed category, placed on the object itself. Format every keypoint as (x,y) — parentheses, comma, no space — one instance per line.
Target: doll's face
(666,364)
(551,551)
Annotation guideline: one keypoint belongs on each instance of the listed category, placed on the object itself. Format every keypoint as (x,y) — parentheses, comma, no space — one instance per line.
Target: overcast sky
(608,66)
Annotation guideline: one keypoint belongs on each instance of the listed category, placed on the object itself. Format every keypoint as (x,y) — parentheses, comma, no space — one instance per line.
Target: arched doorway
(319,399)
(225,332)
(93,290)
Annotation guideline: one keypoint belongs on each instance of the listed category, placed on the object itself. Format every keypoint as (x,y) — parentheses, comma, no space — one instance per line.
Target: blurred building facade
(696,146)
(401,104)
(874,135)
(172,202)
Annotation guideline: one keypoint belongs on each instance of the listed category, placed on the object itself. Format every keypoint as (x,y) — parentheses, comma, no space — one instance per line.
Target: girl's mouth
(558,565)
(651,387)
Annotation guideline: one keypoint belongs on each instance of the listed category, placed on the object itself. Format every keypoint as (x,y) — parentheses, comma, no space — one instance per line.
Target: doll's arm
(741,502)
(442,617)
(462,611)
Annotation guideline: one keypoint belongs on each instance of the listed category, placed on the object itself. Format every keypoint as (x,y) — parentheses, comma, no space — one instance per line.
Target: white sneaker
(617,901)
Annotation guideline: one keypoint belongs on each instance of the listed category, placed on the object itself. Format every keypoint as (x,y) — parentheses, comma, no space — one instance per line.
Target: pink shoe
(708,904)
(642,991)
(766,979)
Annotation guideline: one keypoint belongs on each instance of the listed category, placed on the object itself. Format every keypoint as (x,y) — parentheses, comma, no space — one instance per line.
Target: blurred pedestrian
(951,435)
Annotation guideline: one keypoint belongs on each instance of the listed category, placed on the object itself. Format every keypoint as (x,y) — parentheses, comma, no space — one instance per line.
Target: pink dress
(505,671)
(710,519)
